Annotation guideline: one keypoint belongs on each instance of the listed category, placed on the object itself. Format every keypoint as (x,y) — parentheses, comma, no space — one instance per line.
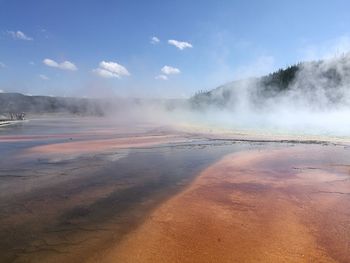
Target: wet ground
(88,190)
(274,204)
(57,207)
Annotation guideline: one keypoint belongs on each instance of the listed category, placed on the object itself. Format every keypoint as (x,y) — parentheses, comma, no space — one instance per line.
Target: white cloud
(65,65)
(109,69)
(43,77)
(180,45)
(2,91)
(19,35)
(168,70)
(50,63)
(162,77)
(105,73)
(2,65)
(155,40)
(115,68)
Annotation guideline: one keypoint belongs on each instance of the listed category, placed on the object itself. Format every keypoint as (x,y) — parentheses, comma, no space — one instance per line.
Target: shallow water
(67,208)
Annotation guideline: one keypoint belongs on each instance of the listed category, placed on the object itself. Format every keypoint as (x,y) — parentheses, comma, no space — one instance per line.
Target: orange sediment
(93,146)
(282,205)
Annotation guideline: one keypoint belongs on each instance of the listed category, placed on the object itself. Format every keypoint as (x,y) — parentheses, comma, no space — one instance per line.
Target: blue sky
(104,48)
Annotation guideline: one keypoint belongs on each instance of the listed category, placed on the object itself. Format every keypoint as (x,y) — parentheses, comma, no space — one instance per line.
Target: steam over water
(311,98)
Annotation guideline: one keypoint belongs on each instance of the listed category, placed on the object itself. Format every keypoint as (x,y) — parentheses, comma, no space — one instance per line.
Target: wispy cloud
(2,65)
(43,77)
(109,69)
(155,40)
(325,50)
(169,70)
(65,65)
(161,77)
(19,35)
(179,44)
(260,66)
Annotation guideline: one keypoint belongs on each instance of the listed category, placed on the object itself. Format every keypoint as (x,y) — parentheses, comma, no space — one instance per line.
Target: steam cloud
(316,101)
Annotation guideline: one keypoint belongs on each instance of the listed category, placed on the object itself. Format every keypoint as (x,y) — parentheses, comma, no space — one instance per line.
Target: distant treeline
(16,102)
(331,75)
(274,82)
(281,79)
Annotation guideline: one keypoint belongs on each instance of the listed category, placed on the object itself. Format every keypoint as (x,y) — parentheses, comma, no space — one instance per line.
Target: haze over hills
(17,102)
(323,84)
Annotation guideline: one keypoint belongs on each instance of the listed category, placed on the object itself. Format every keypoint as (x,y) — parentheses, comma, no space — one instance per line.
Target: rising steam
(312,98)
